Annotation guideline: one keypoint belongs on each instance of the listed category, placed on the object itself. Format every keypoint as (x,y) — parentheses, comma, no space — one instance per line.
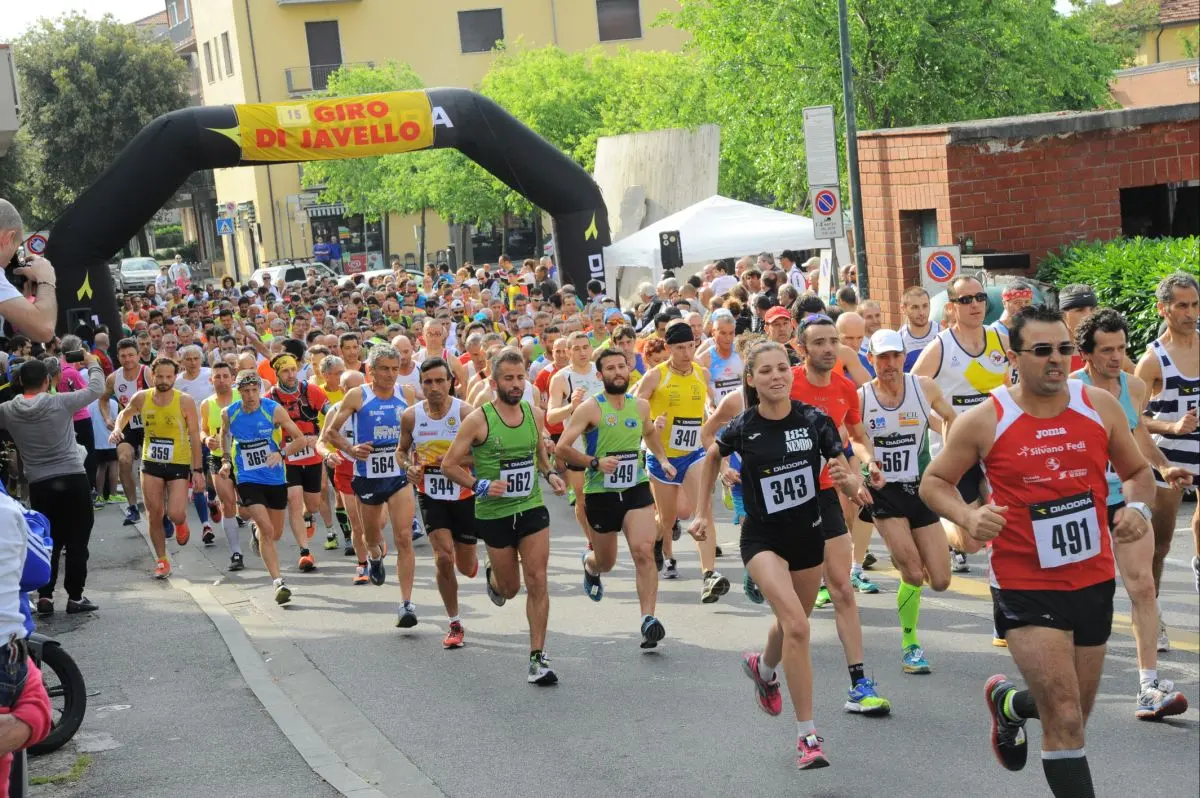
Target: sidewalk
(169,714)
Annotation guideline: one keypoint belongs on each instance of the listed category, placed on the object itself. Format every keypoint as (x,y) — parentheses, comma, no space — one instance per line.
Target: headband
(1077,297)
(679,334)
(283,361)
(1017,293)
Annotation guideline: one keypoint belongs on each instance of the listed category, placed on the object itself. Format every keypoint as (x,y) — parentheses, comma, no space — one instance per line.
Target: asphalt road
(678,721)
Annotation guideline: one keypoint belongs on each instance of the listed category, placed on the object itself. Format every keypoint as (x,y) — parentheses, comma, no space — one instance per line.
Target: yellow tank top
(682,400)
(210,416)
(166,439)
(334,398)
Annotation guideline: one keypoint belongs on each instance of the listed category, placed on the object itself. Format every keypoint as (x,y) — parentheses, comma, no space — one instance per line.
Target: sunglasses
(1066,349)
(969,298)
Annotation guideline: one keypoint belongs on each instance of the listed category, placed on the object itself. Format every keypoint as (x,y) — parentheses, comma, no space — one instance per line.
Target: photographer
(40,424)
(35,319)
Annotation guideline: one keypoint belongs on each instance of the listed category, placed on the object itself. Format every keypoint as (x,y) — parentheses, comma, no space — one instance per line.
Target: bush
(1124,274)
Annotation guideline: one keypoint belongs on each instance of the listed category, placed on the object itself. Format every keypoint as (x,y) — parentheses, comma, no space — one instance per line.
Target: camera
(17,280)
(74,355)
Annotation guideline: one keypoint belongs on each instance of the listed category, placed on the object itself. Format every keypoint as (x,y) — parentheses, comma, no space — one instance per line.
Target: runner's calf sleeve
(908,607)
(229,525)
(1068,774)
(343,520)
(201,503)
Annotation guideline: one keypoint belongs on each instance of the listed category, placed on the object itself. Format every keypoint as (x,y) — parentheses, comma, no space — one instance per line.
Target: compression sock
(201,502)
(343,521)
(1019,704)
(230,528)
(908,607)
(857,672)
(1068,774)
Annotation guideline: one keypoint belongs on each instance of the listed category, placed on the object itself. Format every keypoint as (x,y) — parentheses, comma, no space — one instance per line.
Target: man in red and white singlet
(1045,444)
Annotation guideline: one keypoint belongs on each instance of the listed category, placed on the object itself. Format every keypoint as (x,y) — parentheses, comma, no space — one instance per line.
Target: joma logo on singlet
(1050,433)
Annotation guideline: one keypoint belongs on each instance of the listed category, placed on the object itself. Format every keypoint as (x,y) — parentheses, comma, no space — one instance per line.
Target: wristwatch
(1142,509)
(594,464)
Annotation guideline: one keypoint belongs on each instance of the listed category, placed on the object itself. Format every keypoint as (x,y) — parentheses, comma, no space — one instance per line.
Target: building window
(619,19)
(227,54)
(208,64)
(178,11)
(324,51)
(479,30)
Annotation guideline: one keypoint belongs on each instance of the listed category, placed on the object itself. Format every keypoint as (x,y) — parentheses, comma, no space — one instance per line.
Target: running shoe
(182,534)
(591,582)
(214,511)
(863,585)
(719,552)
(236,562)
(1164,642)
(750,589)
(493,594)
(809,755)
(97,503)
(417,532)
(348,549)
(769,698)
(658,554)
(869,561)
(83,604)
(307,562)
(540,672)
(676,530)
(254,538)
(331,541)
(116,498)
(45,606)
(999,642)
(169,529)
(1156,700)
(914,660)
(958,562)
(454,638)
(823,598)
(362,574)
(1008,736)
(162,569)
(862,699)
(406,616)
(714,587)
(132,516)
(283,593)
(652,632)
(376,570)
(310,528)
(207,537)
(669,571)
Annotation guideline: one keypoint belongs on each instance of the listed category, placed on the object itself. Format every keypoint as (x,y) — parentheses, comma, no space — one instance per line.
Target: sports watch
(1142,509)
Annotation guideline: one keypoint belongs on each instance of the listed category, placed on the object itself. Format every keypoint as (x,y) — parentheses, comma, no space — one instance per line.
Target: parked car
(292,272)
(137,274)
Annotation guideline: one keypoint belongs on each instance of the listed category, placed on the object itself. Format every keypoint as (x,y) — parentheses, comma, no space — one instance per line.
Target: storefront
(360,242)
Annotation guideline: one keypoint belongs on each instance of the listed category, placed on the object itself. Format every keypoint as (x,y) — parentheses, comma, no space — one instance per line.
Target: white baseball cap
(886,341)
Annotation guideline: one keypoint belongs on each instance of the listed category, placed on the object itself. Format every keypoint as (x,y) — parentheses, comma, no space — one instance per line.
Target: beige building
(249,51)
(1165,70)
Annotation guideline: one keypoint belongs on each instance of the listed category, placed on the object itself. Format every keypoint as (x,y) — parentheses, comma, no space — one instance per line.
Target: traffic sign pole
(860,241)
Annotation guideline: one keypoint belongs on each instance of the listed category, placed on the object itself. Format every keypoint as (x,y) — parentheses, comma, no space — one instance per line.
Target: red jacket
(33,709)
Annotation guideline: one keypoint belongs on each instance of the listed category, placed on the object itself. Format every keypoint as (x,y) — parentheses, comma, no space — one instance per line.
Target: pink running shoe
(769,699)
(809,755)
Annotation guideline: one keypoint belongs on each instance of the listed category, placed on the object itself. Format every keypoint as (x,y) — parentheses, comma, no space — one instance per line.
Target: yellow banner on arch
(332,128)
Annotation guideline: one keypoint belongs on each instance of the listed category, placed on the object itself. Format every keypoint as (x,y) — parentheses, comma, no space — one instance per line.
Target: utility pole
(860,243)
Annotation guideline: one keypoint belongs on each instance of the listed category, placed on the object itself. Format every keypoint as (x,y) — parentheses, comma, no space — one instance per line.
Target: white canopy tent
(715,228)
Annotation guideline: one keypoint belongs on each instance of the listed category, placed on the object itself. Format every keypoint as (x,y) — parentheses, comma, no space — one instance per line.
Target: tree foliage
(87,88)
(917,62)
(1120,25)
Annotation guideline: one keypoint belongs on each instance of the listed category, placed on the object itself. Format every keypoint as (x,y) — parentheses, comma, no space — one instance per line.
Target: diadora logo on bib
(796,440)
(1050,433)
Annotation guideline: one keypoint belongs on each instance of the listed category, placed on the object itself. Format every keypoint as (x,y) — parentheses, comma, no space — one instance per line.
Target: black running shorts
(456,515)
(306,477)
(900,500)
(507,532)
(1087,612)
(606,510)
(167,472)
(833,522)
(273,497)
(802,549)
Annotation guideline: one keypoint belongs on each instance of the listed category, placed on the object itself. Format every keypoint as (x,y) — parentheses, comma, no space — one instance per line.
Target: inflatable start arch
(160,158)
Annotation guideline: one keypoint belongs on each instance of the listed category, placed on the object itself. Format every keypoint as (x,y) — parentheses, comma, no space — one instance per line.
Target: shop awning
(332,209)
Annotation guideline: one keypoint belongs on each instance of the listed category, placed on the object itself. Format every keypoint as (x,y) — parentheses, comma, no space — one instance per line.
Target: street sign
(939,266)
(820,146)
(826,212)
(231,207)
(224,226)
(36,244)
(825,284)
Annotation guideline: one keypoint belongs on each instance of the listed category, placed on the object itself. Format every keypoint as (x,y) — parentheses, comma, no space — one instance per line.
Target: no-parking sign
(939,266)
(36,243)
(826,212)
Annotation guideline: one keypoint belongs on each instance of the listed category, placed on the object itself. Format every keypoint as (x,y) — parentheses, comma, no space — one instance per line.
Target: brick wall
(1011,195)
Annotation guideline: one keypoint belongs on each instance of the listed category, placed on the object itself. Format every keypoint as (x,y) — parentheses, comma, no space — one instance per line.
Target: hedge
(1124,274)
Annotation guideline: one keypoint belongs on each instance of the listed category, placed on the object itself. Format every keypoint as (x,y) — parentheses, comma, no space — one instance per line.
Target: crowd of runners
(452,404)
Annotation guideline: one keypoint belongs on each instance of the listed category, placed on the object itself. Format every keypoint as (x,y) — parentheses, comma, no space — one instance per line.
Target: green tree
(918,62)
(87,88)
(1119,25)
